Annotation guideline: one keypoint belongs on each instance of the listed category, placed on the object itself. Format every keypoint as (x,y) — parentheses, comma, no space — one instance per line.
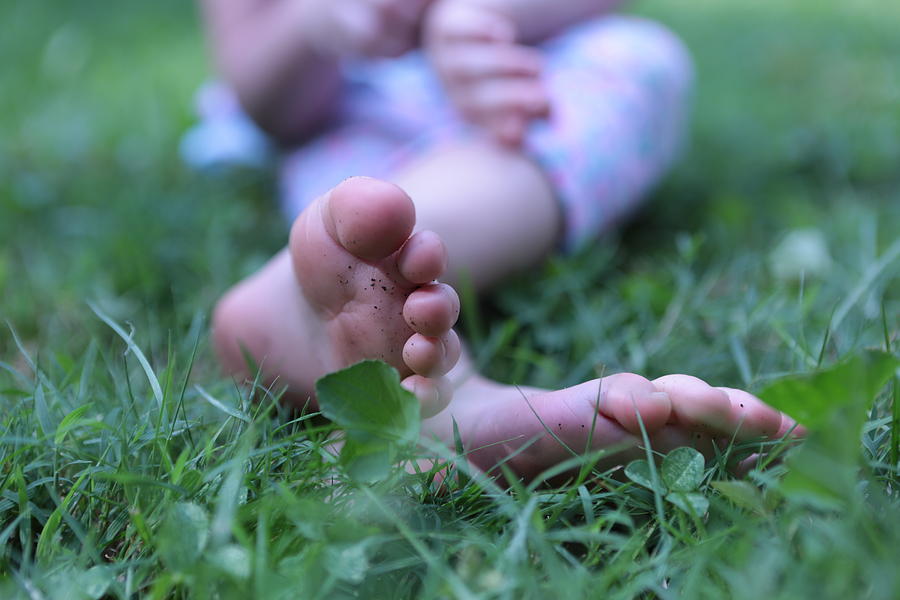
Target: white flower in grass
(801,254)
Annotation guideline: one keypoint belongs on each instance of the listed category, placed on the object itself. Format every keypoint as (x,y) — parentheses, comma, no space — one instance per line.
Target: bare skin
(357,278)
(356,282)
(282,57)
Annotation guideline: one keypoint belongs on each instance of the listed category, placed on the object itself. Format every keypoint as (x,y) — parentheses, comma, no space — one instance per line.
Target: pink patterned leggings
(619,91)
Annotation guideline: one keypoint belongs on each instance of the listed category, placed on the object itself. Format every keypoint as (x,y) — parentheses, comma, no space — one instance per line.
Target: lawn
(130,467)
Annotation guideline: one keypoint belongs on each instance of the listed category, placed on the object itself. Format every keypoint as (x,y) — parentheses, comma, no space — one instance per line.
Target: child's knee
(640,50)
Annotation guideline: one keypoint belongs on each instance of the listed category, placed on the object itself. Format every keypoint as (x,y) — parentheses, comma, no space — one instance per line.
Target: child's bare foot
(354,283)
(541,429)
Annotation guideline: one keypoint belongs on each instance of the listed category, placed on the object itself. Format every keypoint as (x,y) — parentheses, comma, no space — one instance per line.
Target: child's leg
(620,90)
(497,213)
(493,208)
(466,190)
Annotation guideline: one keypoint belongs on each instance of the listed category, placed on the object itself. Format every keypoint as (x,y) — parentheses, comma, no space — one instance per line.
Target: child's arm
(282,56)
(261,51)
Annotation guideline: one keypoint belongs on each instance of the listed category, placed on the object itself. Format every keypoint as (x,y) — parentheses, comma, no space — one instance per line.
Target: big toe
(370,218)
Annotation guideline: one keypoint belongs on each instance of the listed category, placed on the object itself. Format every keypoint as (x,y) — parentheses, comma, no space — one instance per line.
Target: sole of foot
(354,283)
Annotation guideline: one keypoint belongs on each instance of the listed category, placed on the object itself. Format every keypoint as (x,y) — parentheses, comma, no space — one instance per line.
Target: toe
(790,427)
(434,394)
(698,406)
(432,356)
(432,309)
(624,396)
(423,258)
(370,218)
(753,417)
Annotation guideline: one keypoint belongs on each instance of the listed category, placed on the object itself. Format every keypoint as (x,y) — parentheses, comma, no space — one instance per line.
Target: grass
(130,468)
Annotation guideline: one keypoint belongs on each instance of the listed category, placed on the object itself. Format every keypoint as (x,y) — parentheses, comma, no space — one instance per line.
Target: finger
(484,98)
(508,128)
(472,61)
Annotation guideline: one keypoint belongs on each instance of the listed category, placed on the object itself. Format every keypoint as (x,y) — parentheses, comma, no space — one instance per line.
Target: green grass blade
(134,349)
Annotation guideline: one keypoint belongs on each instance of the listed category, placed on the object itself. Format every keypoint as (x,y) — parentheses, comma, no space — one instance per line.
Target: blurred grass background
(797,127)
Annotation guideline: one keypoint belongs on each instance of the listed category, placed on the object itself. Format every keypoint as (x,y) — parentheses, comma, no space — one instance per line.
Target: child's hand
(492,81)
(364,27)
